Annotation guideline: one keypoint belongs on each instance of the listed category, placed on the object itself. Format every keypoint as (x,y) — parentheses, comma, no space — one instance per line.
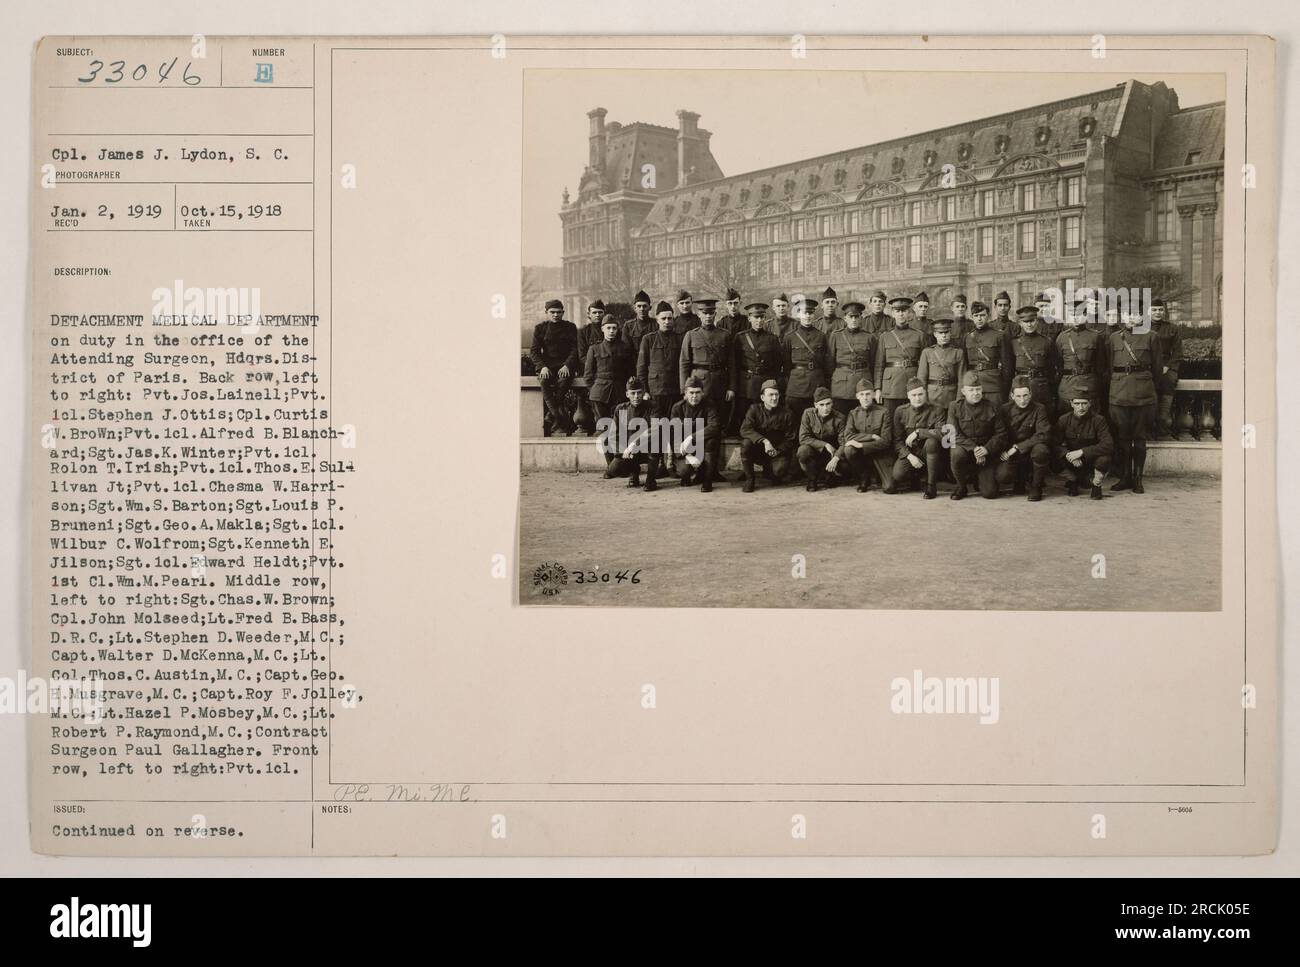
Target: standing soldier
(921,312)
(830,320)
(1048,324)
(804,353)
(1029,433)
(984,353)
(942,365)
(758,360)
(640,324)
(980,436)
(609,364)
(657,364)
(638,447)
(701,433)
(732,320)
(782,322)
(554,355)
(685,319)
(897,357)
(1083,445)
(1079,360)
(1171,352)
(918,437)
(819,437)
(867,442)
(877,321)
(1002,320)
(961,323)
(767,437)
(588,336)
(707,354)
(1136,365)
(852,357)
(1029,353)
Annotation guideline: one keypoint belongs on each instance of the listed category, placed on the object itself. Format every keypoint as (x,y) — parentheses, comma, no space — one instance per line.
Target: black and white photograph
(878,340)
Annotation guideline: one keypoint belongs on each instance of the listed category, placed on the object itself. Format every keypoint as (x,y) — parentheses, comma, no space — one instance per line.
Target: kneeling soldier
(866,442)
(917,433)
(819,436)
(704,436)
(1083,445)
(639,446)
(979,433)
(767,437)
(1029,431)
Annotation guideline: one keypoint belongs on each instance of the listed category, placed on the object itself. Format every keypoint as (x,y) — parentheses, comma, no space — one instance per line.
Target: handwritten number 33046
(117,72)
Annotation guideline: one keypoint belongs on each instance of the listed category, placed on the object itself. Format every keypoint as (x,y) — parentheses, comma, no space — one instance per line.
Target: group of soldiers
(875,392)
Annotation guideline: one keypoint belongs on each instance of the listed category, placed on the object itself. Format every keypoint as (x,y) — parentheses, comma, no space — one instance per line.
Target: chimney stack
(596,140)
(687,130)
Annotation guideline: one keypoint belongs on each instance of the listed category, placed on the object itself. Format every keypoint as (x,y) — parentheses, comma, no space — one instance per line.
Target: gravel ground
(731,549)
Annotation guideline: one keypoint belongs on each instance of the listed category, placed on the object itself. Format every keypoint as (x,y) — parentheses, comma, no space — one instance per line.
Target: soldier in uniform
(732,320)
(782,322)
(804,360)
(980,436)
(1080,359)
(866,442)
(707,353)
(554,354)
(897,357)
(1171,352)
(819,437)
(1002,320)
(852,358)
(657,364)
(942,365)
(1029,353)
(961,323)
(877,320)
(638,448)
(702,433)
(1048,324)
(984,353)
(758,360)
(1136,366)
(640,324)
(609,364)
(1029,435)
(685,319)
(588,335)
(918,438)
(829,320)
(921,320)
(767,437)
(1082,445)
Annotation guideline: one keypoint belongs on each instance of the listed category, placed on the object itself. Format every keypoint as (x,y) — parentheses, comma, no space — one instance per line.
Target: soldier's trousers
(844,406)
(812,460)
(1081,475)
(605,411)
(629,466)
(554,390)
(712,461)
(1015,470)
(964,466)
(862,463)
(1132,427)
(1165,404)
(931,453)
(752,453)
(890,404)
(796,405)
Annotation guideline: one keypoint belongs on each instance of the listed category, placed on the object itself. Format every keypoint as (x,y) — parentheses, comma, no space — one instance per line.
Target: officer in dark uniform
(685,320)
(634,418)
(1082,445)
(918,437)
(852,358)
(1029,353)
(980,436)
(657,363)
(609,364)
(554,354)
(866,442)
(829,319)
(961,323)
(1002,320)
(1029,435)
(707,354)
(942,365)
(1171,352)
(758,359)
(921,320)
(767,437)
(1079,360)
(1136,366)
(731,319)
(782,322)
(985,354)
(877,320)
(804,351)
(897,357)
(699,449)
(819,437)
(640,324)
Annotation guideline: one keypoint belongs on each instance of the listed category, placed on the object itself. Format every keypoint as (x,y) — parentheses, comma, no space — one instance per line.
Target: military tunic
(852,357)
(1091,434)
(776,426)
(554,347)
(657,363)
(897,358)
(609,364)
(1136,363)
(687,415)
(682,324)
(706,353)
(1031,356)
(625,416)
(877,322)
(634,330)
(1170,338)
(941,369)
(927,422)
(814,431)
(977,425)
(804,350)
(828,324)
(733,324)
(758,358)
(1029,430)
(1080,361)
(984,355)
(861,425)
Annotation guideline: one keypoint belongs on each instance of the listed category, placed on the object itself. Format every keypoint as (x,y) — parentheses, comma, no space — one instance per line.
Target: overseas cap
(770,384)
(971,379)
(914,383)
(864,386)
(640,297)
(554,304)
(821,393)
(634,382)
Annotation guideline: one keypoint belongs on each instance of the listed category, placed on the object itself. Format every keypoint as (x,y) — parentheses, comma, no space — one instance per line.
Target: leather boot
(1139,466)
(1124,461)
(749,479)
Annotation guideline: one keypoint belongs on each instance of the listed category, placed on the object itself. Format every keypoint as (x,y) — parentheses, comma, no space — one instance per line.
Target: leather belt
(1032,373)
(986,367)
(900,364)
(1131,369)
(1076,372)
(943,382)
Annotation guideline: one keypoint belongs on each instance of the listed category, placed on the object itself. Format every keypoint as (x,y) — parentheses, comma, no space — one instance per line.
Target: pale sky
(761,118)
